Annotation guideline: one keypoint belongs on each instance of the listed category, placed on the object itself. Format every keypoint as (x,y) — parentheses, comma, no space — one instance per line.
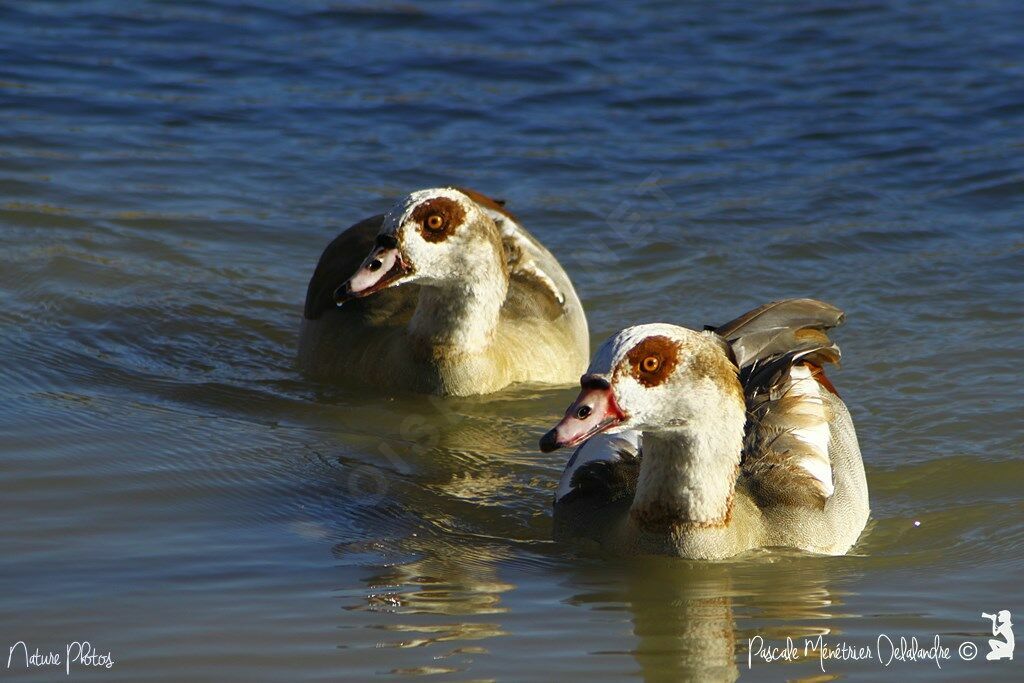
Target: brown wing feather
(487,202)
(780,347)
(786,458)
(782,327)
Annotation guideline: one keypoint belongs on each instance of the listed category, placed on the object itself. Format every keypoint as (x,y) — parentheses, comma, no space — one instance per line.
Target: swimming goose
(707,444)
(447,294)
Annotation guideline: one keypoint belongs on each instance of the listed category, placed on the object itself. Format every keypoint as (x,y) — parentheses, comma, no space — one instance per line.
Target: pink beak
(593,412)
(381,268)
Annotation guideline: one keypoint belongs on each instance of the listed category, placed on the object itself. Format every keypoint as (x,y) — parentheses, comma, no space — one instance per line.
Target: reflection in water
(469,494)
(440,571)
(444,583)
(684,630)
(682,615)
(448,495)
(424,601)
(692,620)
(455,466)
(689,622)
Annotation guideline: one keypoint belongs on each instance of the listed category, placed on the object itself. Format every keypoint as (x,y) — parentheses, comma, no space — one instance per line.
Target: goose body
(708,444)
(447,294)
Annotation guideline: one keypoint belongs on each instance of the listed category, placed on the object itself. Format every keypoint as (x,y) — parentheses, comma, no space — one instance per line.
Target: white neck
(688,474)
(462,317)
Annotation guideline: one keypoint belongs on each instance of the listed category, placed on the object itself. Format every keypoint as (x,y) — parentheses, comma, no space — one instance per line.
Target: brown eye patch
(653,360)
(438,218)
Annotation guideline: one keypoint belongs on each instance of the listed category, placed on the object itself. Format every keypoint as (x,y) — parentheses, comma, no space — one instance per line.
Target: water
(176,493)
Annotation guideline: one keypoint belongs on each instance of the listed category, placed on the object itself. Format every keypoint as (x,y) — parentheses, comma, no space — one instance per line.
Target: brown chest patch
(661,518)
(652,361)
(438,218)
(658,518)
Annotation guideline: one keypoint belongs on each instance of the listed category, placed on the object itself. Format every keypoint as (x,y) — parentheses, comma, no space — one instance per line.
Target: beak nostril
(374,265)
(583,412)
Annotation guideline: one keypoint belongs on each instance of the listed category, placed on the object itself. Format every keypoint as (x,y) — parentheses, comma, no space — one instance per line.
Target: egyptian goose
(447,294)
(708,444)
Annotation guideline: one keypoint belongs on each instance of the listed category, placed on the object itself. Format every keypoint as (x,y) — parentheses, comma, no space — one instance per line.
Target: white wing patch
(814,431)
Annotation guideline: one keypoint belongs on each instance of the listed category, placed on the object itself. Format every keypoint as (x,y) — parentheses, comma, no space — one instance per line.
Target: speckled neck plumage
(462,317)
(688,476)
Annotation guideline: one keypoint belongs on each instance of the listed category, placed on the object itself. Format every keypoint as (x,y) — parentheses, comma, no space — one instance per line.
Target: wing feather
(533,292)
(782,327)
(780,348)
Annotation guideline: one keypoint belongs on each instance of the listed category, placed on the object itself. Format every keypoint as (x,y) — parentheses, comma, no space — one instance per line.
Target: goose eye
(434,222)
(652,361)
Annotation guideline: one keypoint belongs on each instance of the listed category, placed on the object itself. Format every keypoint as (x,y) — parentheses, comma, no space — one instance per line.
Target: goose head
(650,378)
(432,237)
